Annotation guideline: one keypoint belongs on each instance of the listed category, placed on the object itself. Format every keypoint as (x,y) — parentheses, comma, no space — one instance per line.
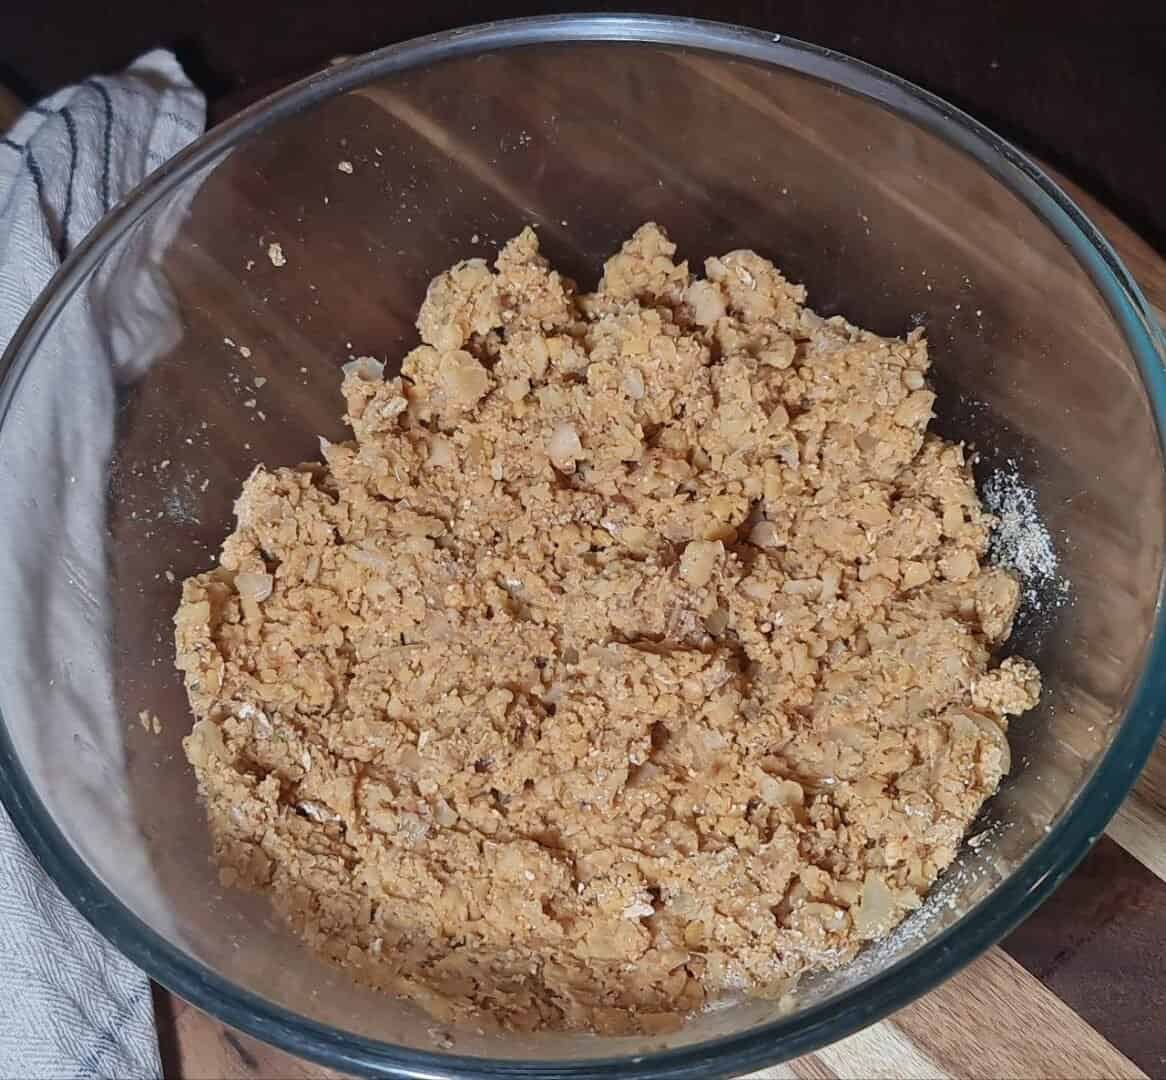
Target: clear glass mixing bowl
(118,464)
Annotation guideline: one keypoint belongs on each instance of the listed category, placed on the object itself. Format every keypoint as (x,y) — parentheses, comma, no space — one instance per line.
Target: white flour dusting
(1021,541)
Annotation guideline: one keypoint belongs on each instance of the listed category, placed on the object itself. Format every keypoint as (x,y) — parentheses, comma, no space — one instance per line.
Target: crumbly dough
(637,649)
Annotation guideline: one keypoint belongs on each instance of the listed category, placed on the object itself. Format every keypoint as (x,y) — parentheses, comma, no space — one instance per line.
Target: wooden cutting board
(1075,992)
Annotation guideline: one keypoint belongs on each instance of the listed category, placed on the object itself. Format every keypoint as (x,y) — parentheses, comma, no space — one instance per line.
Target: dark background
(1081,84)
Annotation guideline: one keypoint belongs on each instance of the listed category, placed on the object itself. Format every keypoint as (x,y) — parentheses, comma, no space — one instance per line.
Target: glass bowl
(118,467)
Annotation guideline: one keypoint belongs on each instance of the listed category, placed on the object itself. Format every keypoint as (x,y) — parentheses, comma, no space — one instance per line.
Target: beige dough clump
(636,650)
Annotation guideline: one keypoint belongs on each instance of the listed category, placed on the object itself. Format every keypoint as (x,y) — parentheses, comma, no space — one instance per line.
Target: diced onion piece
(633,384)
(564,445)
(255,587)
(875,913)
(364,367)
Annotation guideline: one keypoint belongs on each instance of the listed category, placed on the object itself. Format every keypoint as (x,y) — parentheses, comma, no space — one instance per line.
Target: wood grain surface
(1075,992)
(991,1020)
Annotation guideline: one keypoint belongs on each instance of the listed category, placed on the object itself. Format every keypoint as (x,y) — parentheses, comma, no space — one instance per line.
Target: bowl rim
(1069,837)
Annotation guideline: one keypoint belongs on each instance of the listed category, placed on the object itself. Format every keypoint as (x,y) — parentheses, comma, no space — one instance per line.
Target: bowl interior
(141,450)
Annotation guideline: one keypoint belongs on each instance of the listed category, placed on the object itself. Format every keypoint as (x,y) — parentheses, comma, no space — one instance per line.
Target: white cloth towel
(70,1004)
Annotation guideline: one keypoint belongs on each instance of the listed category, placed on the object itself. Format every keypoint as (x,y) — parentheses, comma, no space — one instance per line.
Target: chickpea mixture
(637,650)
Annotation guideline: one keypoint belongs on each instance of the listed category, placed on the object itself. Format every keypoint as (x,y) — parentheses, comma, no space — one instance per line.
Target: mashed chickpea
(636,649)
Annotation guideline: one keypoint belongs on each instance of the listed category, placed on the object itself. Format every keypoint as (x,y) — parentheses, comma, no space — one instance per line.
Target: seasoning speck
(1021,541)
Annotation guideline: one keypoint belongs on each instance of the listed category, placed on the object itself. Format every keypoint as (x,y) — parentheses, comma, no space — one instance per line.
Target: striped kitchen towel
(70,1004)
